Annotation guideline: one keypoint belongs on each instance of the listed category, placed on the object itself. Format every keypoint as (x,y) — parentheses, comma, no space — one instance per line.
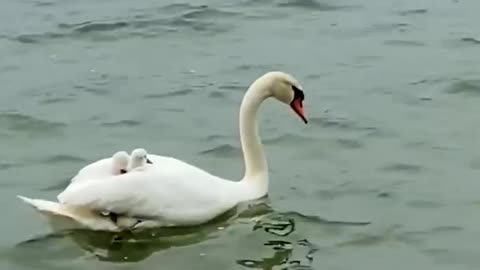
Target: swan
(115,165)
(138,158)
(178,193)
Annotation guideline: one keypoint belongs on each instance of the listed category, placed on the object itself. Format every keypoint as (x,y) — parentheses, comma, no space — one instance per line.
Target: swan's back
(171,164)
(99,168)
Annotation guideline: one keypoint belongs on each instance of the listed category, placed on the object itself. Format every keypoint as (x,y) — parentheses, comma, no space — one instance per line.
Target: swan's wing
(177,197)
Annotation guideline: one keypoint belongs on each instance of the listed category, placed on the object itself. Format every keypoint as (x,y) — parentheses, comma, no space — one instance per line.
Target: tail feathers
(62,216)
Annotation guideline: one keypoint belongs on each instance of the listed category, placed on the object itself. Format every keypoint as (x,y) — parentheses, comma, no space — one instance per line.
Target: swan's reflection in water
(284,224)
(137,246)
(134,247)
(282,256)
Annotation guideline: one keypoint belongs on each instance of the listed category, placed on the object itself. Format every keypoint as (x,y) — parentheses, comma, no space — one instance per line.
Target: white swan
(177,193)
(138,158)
(115,165)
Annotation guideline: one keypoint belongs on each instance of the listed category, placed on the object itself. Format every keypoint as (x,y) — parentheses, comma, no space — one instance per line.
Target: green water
(392,93)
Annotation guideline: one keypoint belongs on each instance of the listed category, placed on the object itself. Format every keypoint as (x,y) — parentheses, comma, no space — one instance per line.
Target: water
(392,93)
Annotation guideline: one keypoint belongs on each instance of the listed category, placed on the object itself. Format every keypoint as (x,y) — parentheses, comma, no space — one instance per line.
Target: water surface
(392,92)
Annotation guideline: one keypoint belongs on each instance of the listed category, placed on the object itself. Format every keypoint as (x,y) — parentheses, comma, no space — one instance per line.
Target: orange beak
(297,107)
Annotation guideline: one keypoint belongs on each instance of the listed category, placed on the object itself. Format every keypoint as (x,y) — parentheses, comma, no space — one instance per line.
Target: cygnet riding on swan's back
(177,193)
(138,158)
(120,162)
(115,165)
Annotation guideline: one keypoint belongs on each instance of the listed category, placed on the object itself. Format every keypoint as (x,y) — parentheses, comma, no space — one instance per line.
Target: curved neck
(256,168)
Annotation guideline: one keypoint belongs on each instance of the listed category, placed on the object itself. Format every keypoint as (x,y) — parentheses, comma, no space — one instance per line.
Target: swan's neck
(256,168)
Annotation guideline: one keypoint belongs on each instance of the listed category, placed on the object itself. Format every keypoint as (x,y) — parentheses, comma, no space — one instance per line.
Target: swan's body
(176,193)
(105,167)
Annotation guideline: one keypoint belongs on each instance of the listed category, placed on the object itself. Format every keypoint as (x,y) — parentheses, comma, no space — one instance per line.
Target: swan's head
(285,88)
(120,162)
(139,158)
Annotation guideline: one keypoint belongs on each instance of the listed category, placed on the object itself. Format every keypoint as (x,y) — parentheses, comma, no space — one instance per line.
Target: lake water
(392,93)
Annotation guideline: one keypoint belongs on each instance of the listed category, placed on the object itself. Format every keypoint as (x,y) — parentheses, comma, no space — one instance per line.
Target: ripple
(232,87)
(367,58)
(197,26)
(444,229)
(319,220)
(468,87)
(36,38)
(73,25)
(312,5)
(122,123)
(403,167)
(313,76)
(179,7)
(286,139)
(93,90)
(349,143)
(29,124)
(463,42)
(259,67)
(428,81)
(6,166)
(49,101)
(9,68)
(449,256)
(389,27)
(215,137)
(62,158)
(203,18)
(341,124)
(92,26)
(474,164)
(338,123)
(424,204)
(88,27)
(177,93)
(364,240)
(416,236)
(223,150)
(413,12)
(59,185)
(206,12)
(218,94)
(470,40)
(404,43)
(334,193)
(172,109)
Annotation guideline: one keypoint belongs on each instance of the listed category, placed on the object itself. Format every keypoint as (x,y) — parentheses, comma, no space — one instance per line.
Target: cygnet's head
(138,158)
(285,88)
(120,162)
